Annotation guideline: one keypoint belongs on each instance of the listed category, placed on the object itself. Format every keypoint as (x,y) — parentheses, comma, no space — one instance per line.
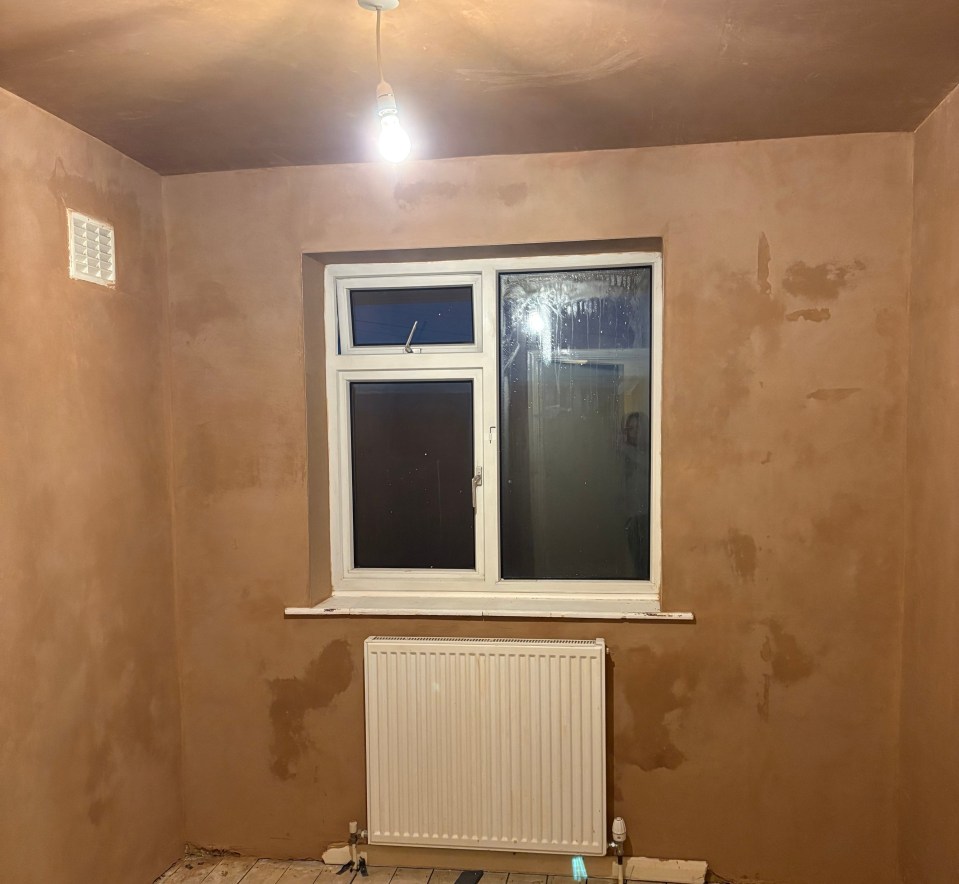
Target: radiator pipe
(356,863)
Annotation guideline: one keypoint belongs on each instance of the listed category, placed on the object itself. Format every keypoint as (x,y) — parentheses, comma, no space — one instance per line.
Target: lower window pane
(412,445)
(575,441)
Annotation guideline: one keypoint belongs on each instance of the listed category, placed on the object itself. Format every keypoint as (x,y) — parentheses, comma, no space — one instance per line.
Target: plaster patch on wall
(763,260)
(211,305)
(511,194)
(746,320)
(411,195)
(762,707)
(788,662)
(741,549)
(101,780)
(822,282)
(658,691)
(812,314)
(840,522)
(888,324)
(224,455)
(833,394)
(325,678)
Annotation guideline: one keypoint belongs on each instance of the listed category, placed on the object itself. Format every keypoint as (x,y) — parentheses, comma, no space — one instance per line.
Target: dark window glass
(443,315)
(412,444)
(575,417)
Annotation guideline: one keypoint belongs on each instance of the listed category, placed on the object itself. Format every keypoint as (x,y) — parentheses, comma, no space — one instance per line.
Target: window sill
(408,605)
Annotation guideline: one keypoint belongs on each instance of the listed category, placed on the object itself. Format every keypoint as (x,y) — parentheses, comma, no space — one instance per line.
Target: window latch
(477,481)
(409,341)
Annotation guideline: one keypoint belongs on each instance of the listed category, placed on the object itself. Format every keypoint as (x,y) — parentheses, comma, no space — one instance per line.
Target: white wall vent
(92,249)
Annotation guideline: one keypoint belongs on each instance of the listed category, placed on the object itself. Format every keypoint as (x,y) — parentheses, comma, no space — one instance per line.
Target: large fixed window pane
(412,446)
(575,424)
(385,316)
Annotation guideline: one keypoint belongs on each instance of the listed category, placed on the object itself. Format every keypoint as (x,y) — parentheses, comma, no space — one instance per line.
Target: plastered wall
(930,709)
(89,717)
(764,737)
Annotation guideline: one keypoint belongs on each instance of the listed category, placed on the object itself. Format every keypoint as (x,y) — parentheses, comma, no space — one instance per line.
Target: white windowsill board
(408,605)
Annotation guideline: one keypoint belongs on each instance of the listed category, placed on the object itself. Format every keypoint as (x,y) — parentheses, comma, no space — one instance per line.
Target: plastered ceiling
(194,85)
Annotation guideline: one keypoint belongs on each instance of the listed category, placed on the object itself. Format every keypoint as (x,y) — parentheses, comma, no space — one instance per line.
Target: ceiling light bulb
(394,142)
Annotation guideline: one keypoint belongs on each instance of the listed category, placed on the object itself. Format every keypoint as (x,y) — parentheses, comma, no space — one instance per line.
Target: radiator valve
(618,844)
(356,833)
(619,835)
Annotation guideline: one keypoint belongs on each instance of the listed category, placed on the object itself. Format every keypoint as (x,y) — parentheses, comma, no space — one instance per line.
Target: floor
(249,870)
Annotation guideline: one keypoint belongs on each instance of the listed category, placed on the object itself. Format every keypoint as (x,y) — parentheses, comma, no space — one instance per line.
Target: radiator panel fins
(486,744)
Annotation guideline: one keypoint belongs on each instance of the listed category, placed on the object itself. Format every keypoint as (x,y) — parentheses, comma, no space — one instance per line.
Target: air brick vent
(92,250)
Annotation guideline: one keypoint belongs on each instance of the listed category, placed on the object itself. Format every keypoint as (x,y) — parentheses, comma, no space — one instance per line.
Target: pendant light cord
(379,53)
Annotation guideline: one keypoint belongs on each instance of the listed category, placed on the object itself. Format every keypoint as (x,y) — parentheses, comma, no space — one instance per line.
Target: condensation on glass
(385,316)
(412,455)
(575,405)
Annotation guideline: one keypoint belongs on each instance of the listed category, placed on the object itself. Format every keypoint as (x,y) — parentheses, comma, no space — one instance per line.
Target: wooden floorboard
(443,876)
(249,870)
(266,871)
(378,875)
(230,870)
(303,872)
(515,878)
(191,870)
(411,876)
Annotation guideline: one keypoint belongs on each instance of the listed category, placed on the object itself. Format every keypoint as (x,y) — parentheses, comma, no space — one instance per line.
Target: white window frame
(479,362)
(372,579)
(345,286)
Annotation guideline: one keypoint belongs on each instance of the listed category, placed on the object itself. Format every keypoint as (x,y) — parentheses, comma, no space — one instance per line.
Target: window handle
(477,481)
(408,348)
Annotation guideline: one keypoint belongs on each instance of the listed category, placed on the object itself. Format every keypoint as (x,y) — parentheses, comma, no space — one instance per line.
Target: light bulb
(394,142)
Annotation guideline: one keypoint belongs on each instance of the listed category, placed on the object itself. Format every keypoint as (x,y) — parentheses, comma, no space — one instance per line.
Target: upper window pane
(412,447)
(385,316)
(575,424)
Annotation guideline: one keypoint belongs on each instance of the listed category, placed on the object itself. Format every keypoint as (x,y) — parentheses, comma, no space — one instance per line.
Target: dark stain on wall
(833,394)
(747,316)
(763,260)
(657,686)
(211,305)
(511,194)
(887,323)
(409,196)
(762,707)
(741,549)
(823,282)
(812,314)
(325,678)
(101,780)
(788,662)
(840,522)
(222,456)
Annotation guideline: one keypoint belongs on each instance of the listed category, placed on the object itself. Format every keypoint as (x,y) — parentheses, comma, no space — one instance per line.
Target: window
(494,430)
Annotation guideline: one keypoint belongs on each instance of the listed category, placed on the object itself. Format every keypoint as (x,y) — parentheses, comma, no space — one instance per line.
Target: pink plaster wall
(89,708)
(929,809)
(764,737)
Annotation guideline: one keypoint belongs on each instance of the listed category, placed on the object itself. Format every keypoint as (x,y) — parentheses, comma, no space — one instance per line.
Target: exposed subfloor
(250,870)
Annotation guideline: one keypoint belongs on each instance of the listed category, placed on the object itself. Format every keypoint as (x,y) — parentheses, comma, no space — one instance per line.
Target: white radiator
(497,744)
